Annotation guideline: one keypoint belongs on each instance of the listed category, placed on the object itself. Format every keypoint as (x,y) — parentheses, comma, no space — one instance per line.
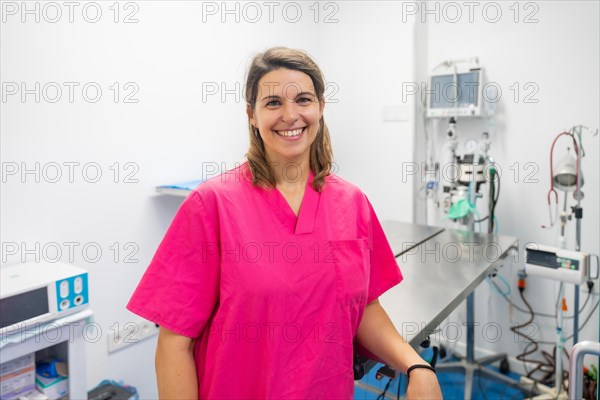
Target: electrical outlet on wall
(132,332)
(595,289)
(594,270)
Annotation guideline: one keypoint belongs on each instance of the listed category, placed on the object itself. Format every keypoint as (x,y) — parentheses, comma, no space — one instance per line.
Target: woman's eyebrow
(275,97)
(270,97)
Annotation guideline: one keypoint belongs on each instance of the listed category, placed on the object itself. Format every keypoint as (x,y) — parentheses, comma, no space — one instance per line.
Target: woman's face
(287,114)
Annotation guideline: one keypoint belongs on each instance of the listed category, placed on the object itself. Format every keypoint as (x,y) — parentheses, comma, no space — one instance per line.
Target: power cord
(590,285)
(548,366)
(382,394)
(517,329)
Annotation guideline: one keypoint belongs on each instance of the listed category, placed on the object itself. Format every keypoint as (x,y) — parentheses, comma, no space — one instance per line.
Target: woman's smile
(291,134)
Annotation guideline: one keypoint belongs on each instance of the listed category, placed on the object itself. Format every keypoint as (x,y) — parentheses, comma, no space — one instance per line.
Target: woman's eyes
(301,100)
(273,103)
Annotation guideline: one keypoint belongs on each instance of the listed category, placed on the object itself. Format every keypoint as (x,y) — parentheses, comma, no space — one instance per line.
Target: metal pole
(578,216)
(576,367)
(558,370)
(470,327)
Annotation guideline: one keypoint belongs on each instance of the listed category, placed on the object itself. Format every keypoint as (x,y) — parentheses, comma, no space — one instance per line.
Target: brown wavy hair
(321,154)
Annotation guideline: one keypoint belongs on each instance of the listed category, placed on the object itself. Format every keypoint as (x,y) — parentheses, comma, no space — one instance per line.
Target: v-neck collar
(305,221)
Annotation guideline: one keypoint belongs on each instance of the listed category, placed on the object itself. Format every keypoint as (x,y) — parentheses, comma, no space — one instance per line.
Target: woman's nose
(289,112)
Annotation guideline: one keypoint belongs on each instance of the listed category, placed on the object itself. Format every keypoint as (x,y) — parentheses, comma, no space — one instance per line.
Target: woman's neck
(290,175)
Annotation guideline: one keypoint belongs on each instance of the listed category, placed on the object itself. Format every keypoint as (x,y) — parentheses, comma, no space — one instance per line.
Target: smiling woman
(287,118)
(285,103)
(270,273)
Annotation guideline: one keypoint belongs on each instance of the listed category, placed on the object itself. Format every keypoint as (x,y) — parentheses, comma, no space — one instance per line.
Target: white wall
(559,54)
(367,55)
(167,135)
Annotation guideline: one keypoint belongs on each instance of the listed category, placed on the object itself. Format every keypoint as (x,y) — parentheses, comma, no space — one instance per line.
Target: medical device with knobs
(36,293)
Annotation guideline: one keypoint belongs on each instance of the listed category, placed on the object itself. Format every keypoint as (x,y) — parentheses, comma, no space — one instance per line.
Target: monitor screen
(468,85)
(442,91)
(24,306)
(447,93)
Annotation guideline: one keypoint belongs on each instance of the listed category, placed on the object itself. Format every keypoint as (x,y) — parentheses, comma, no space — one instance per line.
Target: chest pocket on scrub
(352,260)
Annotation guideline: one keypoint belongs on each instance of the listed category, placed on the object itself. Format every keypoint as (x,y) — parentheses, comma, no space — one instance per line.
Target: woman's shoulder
(230,182)
(335,184)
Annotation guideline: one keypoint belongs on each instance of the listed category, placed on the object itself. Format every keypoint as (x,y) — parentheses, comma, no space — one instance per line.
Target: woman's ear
(322,105)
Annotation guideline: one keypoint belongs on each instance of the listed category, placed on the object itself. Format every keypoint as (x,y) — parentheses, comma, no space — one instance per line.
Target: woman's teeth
(290,133)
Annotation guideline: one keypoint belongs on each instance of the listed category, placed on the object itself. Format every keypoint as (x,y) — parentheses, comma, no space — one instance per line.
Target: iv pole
(578,211)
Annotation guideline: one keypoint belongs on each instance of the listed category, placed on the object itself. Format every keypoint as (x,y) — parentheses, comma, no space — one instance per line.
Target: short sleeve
(385,272)
(180,287)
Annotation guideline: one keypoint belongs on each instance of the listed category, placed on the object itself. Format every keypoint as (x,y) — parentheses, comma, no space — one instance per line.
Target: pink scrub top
(272,300)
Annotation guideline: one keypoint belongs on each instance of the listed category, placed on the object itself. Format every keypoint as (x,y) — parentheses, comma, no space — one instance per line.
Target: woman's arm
(377,334)
(175,367)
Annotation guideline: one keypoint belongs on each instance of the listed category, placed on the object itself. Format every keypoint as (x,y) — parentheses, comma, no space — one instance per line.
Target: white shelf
(173,191)
(182,189)
(67,332)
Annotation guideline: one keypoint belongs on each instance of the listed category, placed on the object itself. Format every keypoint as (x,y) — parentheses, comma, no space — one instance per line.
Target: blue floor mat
(453,387)
(452,384)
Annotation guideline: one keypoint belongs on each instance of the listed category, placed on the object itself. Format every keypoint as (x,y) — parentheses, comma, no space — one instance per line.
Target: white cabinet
(63,338)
